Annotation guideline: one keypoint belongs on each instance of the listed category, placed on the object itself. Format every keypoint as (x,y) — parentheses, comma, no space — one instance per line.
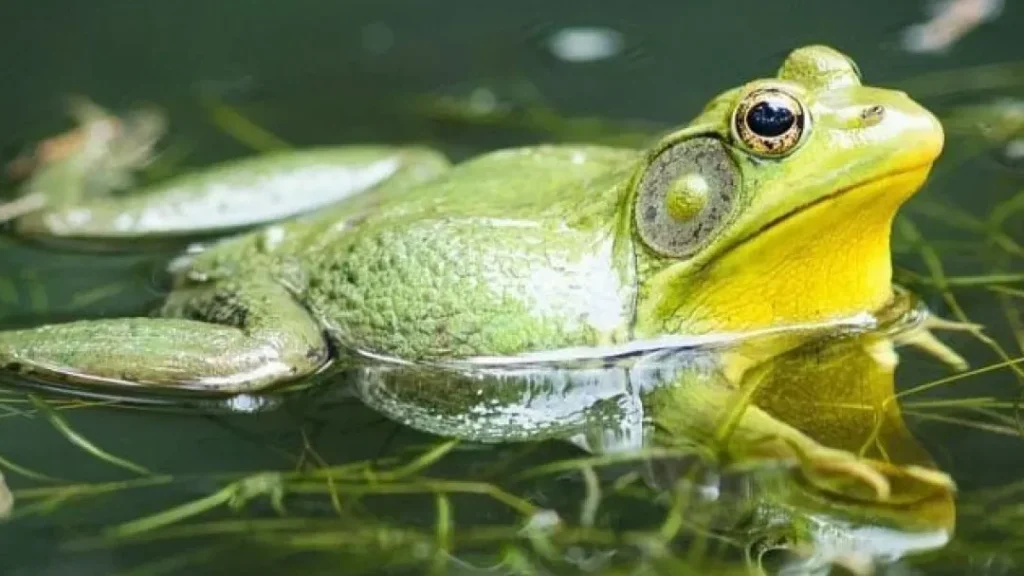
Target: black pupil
(769,120)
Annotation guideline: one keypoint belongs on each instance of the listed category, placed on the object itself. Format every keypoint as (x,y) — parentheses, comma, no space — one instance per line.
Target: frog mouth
(913,174)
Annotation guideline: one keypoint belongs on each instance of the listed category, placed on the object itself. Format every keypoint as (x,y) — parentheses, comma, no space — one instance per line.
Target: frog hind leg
(218,338)
(236,195)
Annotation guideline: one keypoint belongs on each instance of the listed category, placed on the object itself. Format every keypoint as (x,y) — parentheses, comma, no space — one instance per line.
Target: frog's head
(775,205)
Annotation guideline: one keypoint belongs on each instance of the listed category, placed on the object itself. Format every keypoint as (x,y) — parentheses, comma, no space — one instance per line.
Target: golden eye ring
(770,122)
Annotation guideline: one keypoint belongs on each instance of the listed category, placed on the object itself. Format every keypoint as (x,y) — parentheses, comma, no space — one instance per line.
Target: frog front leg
(223,337)
(236,195)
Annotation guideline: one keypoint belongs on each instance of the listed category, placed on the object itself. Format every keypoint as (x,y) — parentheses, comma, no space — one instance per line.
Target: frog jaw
(828,260)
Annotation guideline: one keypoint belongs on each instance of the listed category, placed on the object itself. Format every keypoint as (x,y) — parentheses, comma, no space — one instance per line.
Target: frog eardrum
(685,195)
(769,122)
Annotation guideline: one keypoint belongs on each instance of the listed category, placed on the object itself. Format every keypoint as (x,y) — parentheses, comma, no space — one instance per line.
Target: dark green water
(317,72)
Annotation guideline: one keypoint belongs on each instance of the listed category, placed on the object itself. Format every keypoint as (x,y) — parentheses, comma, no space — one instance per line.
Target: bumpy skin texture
(515,250)
(519,251)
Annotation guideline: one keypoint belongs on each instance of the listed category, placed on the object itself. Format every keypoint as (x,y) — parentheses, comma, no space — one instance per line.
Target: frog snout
(894,121)
(917,128)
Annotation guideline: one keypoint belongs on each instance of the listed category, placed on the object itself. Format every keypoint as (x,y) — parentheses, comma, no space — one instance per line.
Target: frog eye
(686,194)
(769,122)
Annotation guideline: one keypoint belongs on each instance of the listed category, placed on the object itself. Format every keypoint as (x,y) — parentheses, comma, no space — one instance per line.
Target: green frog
(771,210)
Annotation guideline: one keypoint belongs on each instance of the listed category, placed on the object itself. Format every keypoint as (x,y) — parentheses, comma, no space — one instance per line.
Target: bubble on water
(483,101)
(585,44)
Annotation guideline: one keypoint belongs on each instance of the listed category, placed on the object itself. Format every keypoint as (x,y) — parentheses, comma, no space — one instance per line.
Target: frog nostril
(872,115)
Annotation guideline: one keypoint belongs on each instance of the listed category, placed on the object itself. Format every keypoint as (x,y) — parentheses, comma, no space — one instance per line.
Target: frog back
(516,251)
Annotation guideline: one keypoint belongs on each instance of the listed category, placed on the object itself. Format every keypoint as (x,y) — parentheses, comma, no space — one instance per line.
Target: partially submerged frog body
(810,446)
(771,209)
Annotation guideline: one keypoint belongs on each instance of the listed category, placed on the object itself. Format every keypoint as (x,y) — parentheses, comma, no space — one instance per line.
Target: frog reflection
(811,427)
(863,488)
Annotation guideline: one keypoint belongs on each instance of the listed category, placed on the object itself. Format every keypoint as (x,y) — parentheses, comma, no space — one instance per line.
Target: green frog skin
(771,209)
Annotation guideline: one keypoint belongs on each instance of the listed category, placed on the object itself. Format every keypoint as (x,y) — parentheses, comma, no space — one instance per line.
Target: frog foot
(923,337)
(842,472)
(845,473)
(119,144)
(98,156)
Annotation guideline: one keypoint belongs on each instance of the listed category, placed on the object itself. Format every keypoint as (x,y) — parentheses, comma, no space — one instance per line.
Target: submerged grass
(324,510)
(76,439)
